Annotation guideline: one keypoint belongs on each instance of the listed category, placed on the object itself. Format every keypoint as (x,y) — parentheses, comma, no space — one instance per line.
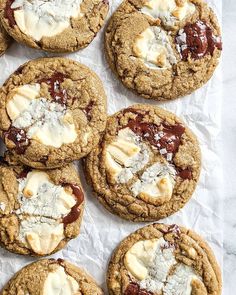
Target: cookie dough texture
(56,26)
(53,111)
(176,260)
(40,211)
(146,166)
(166,76)
(51,277)
(5,40)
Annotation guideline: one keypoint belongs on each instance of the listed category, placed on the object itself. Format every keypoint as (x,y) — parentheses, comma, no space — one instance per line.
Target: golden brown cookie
(163,259)
(57,26)
(5,39)
(146,165)
(51,277)
(40,211)
(163,49)
(52,111)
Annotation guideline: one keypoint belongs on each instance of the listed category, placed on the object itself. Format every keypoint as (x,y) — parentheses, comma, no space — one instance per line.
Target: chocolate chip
(197,40)
(75,211)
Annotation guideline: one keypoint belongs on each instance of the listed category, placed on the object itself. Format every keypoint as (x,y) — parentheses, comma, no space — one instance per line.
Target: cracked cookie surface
(52,112)
(57,26)
(163,49)
(163,259)
(40,211)
(5,39)
(146,165)
(51,277)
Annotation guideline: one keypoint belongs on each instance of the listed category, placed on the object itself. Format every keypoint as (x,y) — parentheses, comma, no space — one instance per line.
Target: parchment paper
(101,231)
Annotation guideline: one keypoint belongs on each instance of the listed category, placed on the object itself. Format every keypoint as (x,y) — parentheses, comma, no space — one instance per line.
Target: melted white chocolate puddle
(44,18)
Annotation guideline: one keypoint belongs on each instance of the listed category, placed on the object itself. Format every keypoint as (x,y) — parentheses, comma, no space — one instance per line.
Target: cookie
(163,49)
(52,111)
(163,259)
(146,165)
(5,40)
(57,26)
(40,211)
(51,277)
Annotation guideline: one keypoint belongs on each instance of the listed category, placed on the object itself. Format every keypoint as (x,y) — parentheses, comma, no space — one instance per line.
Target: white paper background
(101,231)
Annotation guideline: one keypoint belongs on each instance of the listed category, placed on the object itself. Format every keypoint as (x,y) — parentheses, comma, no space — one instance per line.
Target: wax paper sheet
(101,231)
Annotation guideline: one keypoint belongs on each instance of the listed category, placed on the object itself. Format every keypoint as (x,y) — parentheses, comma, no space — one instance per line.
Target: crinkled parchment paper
(101,231)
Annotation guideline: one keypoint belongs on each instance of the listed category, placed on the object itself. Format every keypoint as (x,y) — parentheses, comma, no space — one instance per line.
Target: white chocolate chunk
(56,135)
(148,260)
(33,180)
(169,11)
(153,47)
(41,234)
(114,169)
(46,204)
(123,151)
(139,257)
(21,99)
(47,122)
(153,264)
(60,283)
(161,188)
(180,281)
(125,156)
(158,271)
(39,196)
(156,182)
(43,18)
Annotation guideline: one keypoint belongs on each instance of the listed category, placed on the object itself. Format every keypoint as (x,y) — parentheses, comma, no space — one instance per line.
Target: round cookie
(146,165)
(56,26)
(163,49)
(40,211)
(163,259)
(51,277)
(52,111)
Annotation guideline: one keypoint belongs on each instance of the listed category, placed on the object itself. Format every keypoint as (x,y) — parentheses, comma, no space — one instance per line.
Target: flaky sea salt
(157,137)
(169,157)
(150,176)
(163,151)
(136,164)
(161,133)
(40,112)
